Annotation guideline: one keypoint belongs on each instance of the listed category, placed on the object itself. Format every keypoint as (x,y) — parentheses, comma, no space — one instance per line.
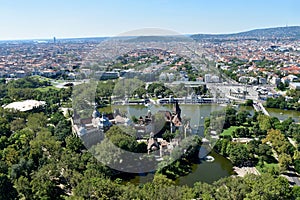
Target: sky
(44,19)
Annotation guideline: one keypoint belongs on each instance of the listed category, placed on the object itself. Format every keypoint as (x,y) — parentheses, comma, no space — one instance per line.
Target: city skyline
(75,19)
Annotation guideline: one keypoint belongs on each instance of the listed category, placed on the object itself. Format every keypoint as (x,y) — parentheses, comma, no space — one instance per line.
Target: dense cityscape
(52,111)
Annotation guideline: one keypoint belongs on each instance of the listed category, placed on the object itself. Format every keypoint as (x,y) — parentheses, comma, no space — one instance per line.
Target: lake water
(284,114)
(275,112)
(196,113)
(202,171)
(208,171)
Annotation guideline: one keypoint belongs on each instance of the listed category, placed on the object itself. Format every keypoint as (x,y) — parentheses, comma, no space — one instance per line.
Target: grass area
(42,78)
(229,131)
(267,167)
(133,99)
(45,89)
(106,109)
(59,80)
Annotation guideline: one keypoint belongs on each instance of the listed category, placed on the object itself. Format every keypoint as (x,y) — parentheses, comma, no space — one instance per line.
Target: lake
(202,171)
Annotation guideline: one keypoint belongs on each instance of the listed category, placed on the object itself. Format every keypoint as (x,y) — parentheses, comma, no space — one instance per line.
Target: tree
(105,88)
(22,138)
(241,132)
(45,183)
(17,124)
(297,165)
(10,155)
(23,168)
(231,188)
(123,138)
(264,122)
(284,161)
(74,144)
(22,185)
(257,131)
(62,130)
(203,190)
(294,131)
(249,102)
(37,121)
(264,150)
(230,117)
(56,118)
(285,125)
(43,147)
(140,92)
(97,188)
(4,127)
(222,147)
(278,141)
(266,187)
(281,86)
(7,191)
(296,192)
(238,154)
(242,116)
(168,135)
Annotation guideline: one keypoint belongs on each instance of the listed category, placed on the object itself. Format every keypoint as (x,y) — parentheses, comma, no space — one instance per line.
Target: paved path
(292,176)
(242,171)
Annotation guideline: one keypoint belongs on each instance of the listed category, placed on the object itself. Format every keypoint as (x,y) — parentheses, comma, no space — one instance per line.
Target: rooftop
(24,105)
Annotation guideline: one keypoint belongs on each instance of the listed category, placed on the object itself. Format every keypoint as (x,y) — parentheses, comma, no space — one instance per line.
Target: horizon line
(121,35)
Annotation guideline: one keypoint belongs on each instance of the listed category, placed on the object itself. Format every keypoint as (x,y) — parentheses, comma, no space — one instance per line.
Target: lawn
(45,89)
(267,167)
(228,132)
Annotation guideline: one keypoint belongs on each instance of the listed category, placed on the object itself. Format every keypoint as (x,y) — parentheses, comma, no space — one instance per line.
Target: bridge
(193,100)
(260,108)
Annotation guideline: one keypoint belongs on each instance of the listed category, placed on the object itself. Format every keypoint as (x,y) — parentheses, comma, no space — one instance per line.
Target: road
(292,176)
(224,89)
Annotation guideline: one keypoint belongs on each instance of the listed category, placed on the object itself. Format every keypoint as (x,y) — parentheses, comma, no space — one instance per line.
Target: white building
(207,78)
(275,80)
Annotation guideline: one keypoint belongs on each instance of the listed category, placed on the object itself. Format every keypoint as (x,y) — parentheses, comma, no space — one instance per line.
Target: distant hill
(170,38)
(292,32)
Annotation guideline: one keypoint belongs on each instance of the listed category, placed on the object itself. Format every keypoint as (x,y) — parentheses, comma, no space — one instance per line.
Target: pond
(208,171)
(202,171)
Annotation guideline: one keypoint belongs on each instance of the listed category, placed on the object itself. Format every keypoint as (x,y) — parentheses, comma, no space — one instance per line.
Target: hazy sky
(27,19)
